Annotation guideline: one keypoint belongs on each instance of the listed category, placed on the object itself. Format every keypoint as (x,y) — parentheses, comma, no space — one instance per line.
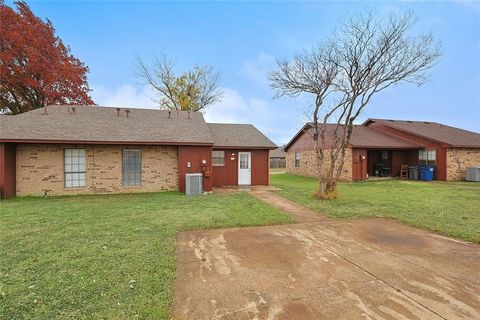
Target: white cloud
(124,96)
(276,119)
(258,68)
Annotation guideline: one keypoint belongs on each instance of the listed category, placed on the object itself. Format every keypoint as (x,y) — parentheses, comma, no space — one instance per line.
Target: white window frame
(220,155)
(427,157)
(74,168)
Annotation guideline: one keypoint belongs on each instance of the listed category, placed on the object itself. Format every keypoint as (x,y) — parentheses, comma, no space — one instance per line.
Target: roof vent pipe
(127,112)
(118,112)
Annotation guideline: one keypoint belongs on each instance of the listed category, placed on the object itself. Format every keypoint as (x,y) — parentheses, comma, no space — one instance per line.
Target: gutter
(106,142)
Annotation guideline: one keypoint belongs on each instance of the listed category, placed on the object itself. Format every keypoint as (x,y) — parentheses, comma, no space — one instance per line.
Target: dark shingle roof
(434,131)
(362,137)
(239,135)
(145,126)
(371,138)
(101,124)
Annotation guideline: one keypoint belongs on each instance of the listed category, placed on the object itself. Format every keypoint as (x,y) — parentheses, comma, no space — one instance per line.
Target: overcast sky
(243,41)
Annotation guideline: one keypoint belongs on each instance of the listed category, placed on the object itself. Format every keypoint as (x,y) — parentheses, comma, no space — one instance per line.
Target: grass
(105,256)
(449,208)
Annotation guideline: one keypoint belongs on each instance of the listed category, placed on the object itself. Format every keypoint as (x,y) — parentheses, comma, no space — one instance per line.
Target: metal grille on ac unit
(193,183)
(473,174)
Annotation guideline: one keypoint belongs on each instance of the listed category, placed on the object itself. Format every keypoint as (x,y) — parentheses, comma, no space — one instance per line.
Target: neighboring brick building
(306,165)
(381,147)
(460,158)
(77,149)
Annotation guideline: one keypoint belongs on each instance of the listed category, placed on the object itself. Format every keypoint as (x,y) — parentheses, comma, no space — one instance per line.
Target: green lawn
(451,208)
(105,256)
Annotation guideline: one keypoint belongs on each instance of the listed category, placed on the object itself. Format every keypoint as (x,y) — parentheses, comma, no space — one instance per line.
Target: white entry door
(244,168)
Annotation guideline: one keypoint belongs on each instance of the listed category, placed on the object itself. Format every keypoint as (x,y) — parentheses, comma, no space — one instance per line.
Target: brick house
(61,150)
(381,147)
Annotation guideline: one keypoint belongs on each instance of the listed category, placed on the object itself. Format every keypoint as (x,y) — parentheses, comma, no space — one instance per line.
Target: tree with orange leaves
(36,68)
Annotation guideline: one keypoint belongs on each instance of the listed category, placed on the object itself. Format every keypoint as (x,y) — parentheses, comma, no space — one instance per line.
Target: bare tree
(366,56)
(193,90)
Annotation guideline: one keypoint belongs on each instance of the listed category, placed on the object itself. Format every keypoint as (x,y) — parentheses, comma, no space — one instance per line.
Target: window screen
(297,159)
(218,158)
(74,168)
(427,157)
(132,167)
(244,160)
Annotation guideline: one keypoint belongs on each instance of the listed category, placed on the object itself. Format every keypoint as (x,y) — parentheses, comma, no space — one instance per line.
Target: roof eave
(245,147)
(407,131)
(463,146)
(386,147)
(36,141)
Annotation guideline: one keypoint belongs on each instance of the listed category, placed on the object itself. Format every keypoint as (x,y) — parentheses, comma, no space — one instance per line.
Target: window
(384,155)
(74,168)
(132,167)
(427,157)
(297,159)
(244,160)
(218,158)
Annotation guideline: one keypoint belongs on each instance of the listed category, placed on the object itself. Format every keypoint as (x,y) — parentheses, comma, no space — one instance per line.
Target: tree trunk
(321,181)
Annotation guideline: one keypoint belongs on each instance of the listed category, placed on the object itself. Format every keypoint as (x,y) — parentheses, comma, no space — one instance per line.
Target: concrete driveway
(326,269)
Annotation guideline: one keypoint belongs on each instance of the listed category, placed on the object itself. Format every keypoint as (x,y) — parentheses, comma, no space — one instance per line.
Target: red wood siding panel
(260,167)
(7,170)
(303,143)
(395,160)
(195,155)
(441,163)
(359,164)
(227,175)
(411,157)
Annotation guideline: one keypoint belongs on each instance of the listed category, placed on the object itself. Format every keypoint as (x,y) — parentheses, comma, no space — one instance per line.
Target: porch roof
(362,137)
(369,138)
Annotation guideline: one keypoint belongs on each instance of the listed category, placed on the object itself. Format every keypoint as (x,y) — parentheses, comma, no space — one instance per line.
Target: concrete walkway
(325,269)
(296,211)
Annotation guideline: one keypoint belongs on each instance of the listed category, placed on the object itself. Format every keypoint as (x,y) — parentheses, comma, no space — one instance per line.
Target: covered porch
(382,162)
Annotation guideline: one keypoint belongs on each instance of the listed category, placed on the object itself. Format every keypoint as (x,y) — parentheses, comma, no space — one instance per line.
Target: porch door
(244,168)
